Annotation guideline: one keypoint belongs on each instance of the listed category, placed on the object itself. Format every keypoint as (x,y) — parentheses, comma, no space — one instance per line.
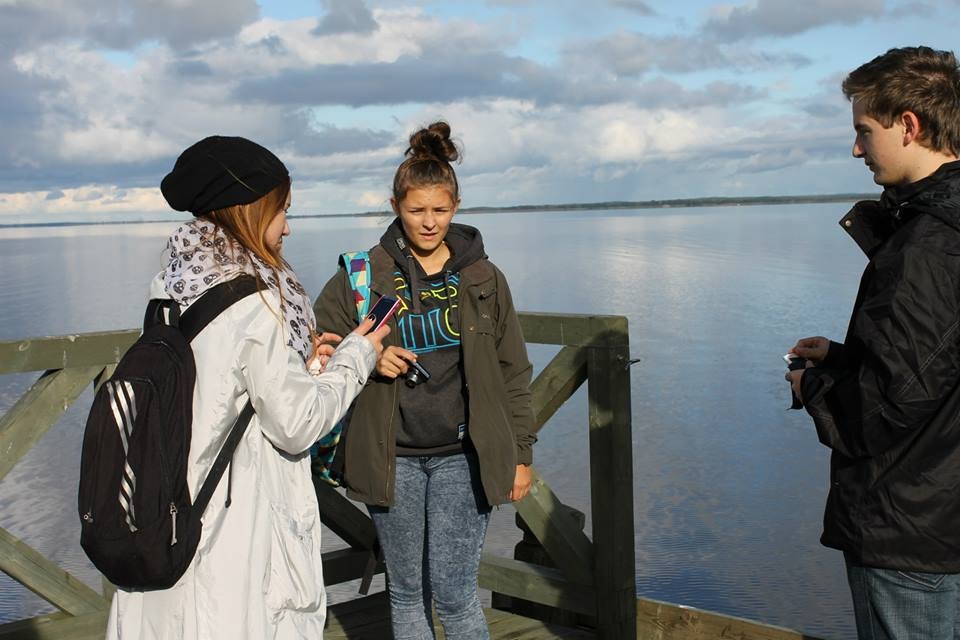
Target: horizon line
(706,201)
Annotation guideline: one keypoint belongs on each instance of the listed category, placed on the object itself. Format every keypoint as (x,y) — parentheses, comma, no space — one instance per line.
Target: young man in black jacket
(887,400)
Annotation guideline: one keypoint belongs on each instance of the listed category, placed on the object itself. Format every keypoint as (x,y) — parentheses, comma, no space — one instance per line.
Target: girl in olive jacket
(429,456)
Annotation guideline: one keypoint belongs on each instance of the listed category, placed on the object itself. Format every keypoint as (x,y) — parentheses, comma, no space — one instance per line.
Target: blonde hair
(247,223)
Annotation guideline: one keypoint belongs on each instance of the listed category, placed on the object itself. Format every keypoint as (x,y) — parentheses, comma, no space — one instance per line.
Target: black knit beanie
(221,171)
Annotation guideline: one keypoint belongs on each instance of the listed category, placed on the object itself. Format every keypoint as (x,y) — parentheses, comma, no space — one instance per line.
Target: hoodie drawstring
(414,283)
(454,322)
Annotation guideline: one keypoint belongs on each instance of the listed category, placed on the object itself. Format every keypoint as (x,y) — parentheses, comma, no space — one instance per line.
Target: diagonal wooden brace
(568,546)
(28,567)
(39,409)
(557,382)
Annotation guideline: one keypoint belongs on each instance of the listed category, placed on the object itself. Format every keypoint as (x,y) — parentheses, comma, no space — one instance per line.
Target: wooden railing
(594,577)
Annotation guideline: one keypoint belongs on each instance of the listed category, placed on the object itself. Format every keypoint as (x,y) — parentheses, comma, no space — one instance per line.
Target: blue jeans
(431,539)
(904,605)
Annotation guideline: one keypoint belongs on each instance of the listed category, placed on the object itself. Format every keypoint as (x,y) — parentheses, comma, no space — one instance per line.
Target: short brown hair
(247,223)
(918,79)
(428,162)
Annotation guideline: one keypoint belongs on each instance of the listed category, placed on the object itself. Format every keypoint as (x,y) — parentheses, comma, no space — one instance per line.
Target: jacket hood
(937,195)
(465,242)
(466,247)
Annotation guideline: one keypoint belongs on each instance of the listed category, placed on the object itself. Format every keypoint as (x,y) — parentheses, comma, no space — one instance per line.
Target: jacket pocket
(294,578)
(487,312)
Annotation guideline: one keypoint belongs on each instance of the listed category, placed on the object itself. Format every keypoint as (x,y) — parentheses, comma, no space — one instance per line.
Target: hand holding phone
(381,312)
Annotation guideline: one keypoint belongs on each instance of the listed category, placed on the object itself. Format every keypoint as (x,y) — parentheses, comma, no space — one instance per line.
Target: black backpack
(139,526)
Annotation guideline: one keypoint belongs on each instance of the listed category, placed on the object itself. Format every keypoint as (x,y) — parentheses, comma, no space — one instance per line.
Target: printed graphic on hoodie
(435,326)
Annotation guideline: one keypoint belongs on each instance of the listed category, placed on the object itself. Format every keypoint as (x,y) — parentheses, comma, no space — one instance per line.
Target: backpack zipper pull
(173,518)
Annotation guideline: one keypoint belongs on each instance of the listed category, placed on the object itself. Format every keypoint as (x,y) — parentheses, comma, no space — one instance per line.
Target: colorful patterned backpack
(357,266)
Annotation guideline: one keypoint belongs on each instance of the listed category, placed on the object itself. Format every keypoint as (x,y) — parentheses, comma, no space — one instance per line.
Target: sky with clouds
(552,101)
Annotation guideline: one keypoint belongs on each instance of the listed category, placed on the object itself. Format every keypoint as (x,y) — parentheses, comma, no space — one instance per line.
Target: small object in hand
(795,363)
(415,374)
(317,362)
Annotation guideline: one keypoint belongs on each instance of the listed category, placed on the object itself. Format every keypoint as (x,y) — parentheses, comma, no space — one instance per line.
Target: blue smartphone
(382,311)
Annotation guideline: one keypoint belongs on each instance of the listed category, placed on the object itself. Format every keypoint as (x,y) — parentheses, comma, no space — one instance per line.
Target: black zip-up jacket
(887,401)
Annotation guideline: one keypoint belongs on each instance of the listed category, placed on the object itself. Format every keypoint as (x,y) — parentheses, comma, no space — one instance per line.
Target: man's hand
(813,349)
(793,377)
(521,483)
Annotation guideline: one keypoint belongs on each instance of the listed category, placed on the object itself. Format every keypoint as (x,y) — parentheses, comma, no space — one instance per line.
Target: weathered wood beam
(504,625)
(557,382)
(39,409)
(344,565)
(106,347)
(611,485)
(568,329)
(61,352)
(28,567)
(543,585)
(665,621)
(343,517)
(57,626)
(359,619)
(568,546)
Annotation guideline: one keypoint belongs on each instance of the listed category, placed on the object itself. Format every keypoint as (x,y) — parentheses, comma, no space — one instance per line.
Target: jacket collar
(382,266)
(871,222)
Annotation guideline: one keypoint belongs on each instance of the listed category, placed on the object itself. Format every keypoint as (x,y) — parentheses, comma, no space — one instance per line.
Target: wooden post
(611,480)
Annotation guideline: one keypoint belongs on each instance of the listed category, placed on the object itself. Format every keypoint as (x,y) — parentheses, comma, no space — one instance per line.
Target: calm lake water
(729,486)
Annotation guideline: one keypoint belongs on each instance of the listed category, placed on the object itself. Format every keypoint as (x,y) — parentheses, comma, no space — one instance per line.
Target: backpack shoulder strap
(223,459)
(214,302)
(357,266)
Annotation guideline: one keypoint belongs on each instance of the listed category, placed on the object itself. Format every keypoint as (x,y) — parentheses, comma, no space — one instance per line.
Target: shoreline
(713,201)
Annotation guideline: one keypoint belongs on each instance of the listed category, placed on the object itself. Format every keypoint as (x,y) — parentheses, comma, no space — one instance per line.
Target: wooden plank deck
(369,619)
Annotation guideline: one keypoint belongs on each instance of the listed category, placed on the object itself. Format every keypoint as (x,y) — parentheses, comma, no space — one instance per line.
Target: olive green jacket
(496,374)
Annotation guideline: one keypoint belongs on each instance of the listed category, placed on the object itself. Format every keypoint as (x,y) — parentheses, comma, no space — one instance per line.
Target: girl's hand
(323,347)
(521,483)
(374,337)
(394,362)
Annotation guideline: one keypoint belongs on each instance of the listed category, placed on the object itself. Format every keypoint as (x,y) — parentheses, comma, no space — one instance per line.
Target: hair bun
(433,142)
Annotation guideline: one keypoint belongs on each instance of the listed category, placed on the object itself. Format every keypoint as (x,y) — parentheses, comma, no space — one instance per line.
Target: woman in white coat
(257,570)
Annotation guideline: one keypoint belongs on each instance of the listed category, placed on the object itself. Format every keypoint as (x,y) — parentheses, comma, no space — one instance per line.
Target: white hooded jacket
(257,572)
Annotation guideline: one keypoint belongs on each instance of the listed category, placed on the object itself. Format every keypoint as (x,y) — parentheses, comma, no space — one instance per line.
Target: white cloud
(786,17)
(346,16)
(372,200)
(90,199)
(123,25)
(612,112)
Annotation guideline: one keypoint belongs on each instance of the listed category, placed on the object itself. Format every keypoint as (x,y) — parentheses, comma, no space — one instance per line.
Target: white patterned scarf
(200,255)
